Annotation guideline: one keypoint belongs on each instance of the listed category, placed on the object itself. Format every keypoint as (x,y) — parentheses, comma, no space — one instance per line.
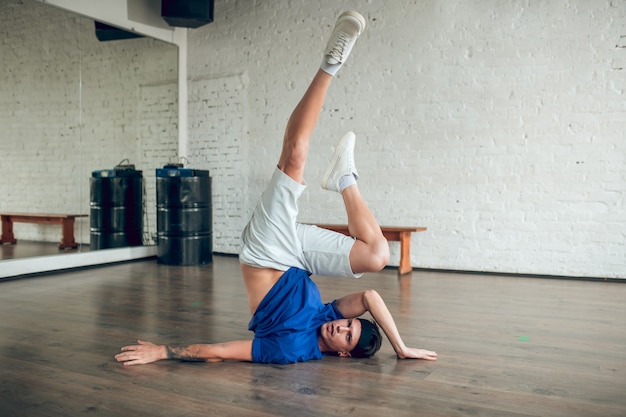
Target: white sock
(330,68)
(346,181)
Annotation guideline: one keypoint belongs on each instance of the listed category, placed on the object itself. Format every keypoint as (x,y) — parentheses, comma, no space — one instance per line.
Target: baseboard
(17,268)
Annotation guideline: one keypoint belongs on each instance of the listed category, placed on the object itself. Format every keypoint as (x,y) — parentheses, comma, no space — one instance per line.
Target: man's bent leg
(325,252)
(370,252)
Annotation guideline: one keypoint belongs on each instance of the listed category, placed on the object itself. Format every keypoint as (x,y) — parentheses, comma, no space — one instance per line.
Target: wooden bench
(391,233)
(65,220)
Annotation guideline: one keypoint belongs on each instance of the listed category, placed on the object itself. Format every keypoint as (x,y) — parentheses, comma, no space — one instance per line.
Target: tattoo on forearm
(181,353)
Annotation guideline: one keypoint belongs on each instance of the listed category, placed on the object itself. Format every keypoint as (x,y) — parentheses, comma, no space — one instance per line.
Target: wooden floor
(507,347)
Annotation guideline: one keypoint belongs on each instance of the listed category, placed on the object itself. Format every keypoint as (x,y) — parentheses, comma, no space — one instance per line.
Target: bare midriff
(259,281)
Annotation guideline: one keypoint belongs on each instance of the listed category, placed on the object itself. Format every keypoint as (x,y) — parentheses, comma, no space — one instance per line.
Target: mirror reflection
(72,107)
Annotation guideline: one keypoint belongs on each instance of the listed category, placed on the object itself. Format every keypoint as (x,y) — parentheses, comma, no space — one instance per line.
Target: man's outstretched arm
(145,352)
(354,305)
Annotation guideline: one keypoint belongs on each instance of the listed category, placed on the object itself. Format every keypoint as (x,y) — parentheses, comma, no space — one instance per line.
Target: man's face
(341,335)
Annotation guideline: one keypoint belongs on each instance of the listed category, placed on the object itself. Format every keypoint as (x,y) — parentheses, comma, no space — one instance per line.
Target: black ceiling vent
(187,13)
(110,33)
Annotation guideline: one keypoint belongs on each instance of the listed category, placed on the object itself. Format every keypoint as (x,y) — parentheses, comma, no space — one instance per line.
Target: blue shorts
(274,239)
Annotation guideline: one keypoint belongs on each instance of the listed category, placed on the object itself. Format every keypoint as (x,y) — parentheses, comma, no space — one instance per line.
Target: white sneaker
(341,164)
(347,30)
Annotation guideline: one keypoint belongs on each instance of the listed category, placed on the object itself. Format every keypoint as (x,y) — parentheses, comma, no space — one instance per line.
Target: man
(290,322)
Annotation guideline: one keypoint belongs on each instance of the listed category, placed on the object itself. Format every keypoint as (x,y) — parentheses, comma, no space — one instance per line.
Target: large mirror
(72,104)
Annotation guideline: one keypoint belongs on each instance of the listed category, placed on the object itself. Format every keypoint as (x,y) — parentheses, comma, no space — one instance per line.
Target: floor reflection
(29,249)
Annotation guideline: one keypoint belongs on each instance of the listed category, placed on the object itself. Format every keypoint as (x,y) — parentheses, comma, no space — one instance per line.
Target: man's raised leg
(301,125)
(303,119)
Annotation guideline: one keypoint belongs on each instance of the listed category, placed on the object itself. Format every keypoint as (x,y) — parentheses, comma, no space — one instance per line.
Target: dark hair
(369,342)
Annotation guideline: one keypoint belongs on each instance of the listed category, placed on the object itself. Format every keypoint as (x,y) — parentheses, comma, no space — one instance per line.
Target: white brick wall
(218,121)
(158,143)
(499,125)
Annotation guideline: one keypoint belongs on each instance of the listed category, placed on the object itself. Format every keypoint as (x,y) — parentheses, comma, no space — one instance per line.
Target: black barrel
(116,208)
(184,216)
